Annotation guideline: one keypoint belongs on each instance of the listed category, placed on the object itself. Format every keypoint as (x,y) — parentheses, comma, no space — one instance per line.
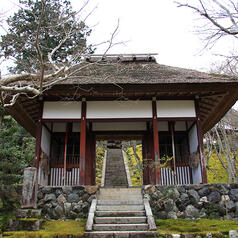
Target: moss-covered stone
(198,227)
(53,229)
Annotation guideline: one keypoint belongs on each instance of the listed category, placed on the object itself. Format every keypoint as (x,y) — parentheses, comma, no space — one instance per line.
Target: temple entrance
(119,162)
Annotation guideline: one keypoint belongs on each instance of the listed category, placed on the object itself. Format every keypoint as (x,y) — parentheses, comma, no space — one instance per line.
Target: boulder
(180,215)
(40,195)
(61,199)
(47,189)
(50,197)
(67,208)
(91,198)
(72,215)
(173,193)
(73,197)
(59,211)
(191,212)
(193,196)
(181,189)
(162,215)
(214,197)
(204,191)
(172,215)
(168,205)
(91,189)
(58,192)
(234,194)
(67,189)
(231,207)
(77,208)
(236,204)
(85,197)
(233,234)
(85,207)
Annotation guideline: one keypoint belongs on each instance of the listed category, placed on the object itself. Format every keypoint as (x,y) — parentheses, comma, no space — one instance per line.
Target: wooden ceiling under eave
(215,99)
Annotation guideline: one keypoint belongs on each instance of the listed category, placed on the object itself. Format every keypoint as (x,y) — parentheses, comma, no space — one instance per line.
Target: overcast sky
(148,26)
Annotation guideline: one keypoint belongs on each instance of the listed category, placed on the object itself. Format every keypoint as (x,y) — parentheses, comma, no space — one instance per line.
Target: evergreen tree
(49,21)
(17,149)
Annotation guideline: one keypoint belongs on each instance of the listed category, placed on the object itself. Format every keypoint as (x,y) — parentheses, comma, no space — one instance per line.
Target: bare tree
(221,18)
(50,69)
(222,139)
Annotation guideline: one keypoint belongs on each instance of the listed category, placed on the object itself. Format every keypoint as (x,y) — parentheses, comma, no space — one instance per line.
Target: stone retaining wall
(65,202)
(193,201)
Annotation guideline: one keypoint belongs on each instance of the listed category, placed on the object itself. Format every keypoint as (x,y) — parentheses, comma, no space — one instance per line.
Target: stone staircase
(120,212)
(115,175)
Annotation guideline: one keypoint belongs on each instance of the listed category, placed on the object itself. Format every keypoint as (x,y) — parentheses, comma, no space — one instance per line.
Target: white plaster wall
(45,140)
(175,108)
(193,145)
(45,147)
(119,126)
(62,110)
(119,109)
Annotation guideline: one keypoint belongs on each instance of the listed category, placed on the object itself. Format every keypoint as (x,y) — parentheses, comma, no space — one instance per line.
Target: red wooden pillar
(200,143)
(82,144)
(38,137)
(156,143)
(90,161)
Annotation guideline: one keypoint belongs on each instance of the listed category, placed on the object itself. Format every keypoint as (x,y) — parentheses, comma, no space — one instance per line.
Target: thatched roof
(141,72)
(137,78)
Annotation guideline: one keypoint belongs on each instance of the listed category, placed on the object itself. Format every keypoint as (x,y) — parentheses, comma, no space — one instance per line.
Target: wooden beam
(200,143)
(156,143)
(21,116)
(220,109)
(82,144)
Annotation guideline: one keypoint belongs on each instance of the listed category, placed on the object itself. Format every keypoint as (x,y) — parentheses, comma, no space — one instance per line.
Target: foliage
(134,164)
(100,152)
(56,18)
(16,151)
(215,171)
(53,229)
(201,226)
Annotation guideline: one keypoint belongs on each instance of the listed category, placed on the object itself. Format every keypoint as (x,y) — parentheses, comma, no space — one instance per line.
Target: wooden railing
(182,175)
(71,176)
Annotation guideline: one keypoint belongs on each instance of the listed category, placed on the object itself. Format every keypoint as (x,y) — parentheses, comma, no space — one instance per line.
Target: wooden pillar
(90,159)
(200,143)
(171,125)
(145,160)
(156,143)
(82,144)
(38,137)
(93,151)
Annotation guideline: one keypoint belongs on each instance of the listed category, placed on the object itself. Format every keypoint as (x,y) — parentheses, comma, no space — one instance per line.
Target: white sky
(148,26)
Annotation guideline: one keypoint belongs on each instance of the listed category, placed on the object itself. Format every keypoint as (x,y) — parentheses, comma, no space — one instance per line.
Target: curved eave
(215,99)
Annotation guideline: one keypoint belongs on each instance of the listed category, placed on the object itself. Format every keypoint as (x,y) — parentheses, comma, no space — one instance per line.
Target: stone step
(119,197)
(28,213)
(120,207)
(120,220)
(120,194)
(119,213)
(27,224)
(121,234)
(120,227)
(120,202)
